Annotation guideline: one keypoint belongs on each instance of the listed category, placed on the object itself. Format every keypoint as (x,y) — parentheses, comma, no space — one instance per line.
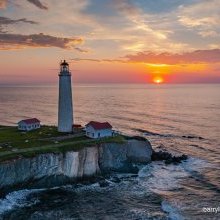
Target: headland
(46,158)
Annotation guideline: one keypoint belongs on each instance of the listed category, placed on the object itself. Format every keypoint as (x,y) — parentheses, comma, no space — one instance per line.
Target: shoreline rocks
(167,157)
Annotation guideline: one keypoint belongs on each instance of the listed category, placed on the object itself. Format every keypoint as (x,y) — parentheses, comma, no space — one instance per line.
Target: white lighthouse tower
(65,112)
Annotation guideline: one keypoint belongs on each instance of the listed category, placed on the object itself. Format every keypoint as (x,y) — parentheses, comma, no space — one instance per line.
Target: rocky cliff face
(55,169)
(121,157)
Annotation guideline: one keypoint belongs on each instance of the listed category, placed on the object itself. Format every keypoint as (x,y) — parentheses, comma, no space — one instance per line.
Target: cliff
(53,169)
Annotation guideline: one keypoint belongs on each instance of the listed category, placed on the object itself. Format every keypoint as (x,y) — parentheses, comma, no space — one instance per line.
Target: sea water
(178,118)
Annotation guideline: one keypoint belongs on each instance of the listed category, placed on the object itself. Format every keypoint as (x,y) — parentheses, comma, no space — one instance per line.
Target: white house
(28,124)
(96,129)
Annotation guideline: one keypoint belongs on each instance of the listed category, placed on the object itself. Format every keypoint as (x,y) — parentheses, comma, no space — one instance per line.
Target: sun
(158,80)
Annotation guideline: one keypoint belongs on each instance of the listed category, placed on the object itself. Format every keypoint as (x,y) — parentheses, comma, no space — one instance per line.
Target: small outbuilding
(28,124)
(96,129)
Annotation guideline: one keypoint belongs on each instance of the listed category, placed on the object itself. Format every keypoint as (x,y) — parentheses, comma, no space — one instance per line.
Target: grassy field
(11,137)
(15,144)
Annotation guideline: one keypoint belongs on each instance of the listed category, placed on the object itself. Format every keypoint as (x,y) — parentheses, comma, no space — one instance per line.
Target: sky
(110,41)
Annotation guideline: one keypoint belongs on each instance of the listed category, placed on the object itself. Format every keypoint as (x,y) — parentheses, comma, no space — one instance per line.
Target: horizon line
(54,84)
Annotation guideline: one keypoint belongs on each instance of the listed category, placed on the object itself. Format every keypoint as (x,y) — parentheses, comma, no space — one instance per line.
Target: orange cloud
(198,56)
(18,41)
(165,59)
(2,3)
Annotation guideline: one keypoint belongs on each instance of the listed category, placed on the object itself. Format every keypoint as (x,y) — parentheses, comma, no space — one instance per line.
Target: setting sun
(158,80)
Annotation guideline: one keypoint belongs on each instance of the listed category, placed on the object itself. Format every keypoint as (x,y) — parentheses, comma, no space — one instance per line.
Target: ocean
(179,118)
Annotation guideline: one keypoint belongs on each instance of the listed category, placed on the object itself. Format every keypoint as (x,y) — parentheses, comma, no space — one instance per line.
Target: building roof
(99,125)
(30,121)
(77,126)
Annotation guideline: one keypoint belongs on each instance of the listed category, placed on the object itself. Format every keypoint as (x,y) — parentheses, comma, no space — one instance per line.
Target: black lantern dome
(64,63)
(64,67)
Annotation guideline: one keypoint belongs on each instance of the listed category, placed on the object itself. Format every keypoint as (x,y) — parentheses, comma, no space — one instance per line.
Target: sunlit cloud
(99,60)
(202,16)
(18,41)
(144,37)
(157,65)
(153,59)
(134,47)
(198,56)
(198,22)
(139,18)
(209,33)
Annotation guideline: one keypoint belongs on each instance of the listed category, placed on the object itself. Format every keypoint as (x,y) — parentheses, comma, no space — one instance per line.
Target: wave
(162,179)
(17,199)
(155,177)
(158,177)
(195,164)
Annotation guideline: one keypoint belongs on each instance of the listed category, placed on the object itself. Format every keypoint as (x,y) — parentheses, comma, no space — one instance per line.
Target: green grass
(18,139)
(6,133)
(35,144)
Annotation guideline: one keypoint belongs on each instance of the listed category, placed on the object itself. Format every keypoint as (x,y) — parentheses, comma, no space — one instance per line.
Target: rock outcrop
(122,157)
(167,157)
(53,169)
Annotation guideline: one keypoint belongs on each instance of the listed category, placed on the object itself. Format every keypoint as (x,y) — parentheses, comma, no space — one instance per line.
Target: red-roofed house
(28,124)
(96,129)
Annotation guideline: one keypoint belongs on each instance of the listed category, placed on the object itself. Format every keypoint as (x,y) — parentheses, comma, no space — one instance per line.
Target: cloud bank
(19,41)
(197,56)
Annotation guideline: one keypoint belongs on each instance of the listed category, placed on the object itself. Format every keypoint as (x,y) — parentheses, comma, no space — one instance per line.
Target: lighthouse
(65,109)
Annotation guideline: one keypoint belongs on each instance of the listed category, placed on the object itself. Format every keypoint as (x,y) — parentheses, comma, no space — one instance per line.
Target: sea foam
(17,199)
